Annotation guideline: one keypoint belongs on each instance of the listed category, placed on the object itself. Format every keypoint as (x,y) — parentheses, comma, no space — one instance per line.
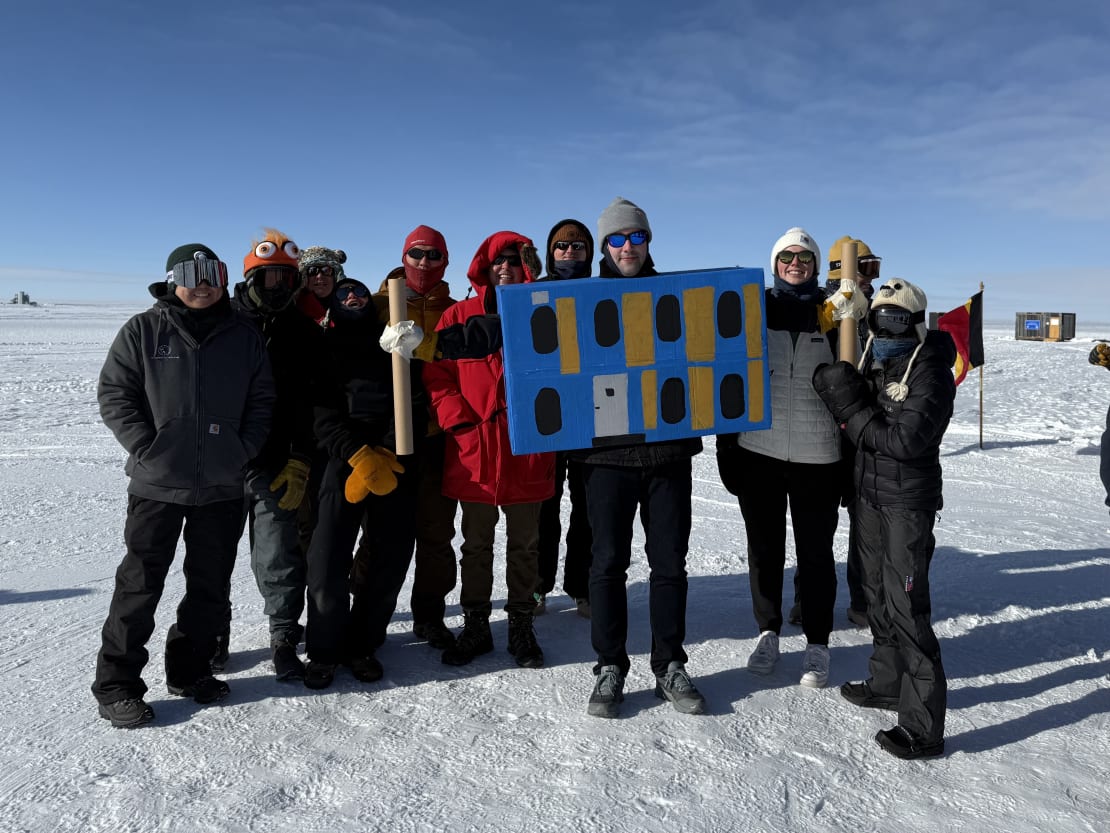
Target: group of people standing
(273,406)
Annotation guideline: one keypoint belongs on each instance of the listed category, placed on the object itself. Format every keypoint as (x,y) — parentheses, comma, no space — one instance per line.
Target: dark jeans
(346,621)
(662,494)
(813,493)
(278,564)
(576,567)
(151,532)
(897,546)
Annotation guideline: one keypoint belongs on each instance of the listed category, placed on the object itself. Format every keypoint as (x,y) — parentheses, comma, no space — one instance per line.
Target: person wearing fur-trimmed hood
(895,408)
(480,469)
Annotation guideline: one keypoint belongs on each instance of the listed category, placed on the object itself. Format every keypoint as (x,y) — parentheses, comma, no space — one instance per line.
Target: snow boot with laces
(474,640)
(522,641)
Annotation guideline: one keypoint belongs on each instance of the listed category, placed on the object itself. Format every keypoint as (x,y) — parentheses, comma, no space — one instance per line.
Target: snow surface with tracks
(1021,597)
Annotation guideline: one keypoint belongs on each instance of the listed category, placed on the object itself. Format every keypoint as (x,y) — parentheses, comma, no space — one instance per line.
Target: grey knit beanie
(621,214)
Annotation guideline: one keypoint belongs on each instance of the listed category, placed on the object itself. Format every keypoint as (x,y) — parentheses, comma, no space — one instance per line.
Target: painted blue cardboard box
(604,361)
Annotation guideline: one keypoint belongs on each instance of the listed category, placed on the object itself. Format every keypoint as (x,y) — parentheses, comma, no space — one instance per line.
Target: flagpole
(980,394)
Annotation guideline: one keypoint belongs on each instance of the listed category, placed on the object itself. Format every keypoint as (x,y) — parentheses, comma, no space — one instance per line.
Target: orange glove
(373,471)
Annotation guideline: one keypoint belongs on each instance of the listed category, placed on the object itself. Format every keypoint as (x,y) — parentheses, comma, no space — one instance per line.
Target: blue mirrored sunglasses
(638,238)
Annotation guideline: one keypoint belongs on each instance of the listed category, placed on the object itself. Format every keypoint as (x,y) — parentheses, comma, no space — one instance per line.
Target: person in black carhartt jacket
(186,389)
(896,413)
(277,478)
(656,478)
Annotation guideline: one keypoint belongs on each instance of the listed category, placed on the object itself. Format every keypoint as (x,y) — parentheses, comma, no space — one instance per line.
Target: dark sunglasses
(512,260)
(201,269)
(419,254)
(638,238)
(325,269)
(269,277)
(804,257)
(891,321)
(347,290)
(866,267)
(577,245)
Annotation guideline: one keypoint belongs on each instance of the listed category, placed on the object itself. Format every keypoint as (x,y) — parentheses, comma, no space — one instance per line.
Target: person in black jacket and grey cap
(895,409)
(655,478)
(186,389)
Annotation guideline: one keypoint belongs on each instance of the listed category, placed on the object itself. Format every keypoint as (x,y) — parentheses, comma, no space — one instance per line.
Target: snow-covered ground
(1021,595)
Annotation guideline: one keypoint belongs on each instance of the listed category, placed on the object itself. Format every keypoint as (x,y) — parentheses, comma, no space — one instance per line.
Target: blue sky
(961,143)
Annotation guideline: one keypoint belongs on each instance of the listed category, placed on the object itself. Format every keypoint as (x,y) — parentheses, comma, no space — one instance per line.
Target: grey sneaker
(815,666)
(766,653)
(675,685)
(608,693)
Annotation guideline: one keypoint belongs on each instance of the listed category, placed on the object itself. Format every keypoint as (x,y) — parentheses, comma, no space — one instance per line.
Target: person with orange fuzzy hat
(277,477)
(480,469)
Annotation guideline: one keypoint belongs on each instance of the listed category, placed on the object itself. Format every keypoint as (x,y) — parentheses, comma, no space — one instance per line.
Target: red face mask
(421,281)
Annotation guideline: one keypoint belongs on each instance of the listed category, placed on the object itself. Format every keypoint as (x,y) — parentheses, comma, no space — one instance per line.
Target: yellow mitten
(294,477)
(374,470)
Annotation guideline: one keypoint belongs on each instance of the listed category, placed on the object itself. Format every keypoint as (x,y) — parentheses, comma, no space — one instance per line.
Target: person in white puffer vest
(795,461)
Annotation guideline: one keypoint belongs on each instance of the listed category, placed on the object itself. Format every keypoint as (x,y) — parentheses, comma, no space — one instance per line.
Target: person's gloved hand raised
(294,477)
(848,302)
(374,470)
(402,338)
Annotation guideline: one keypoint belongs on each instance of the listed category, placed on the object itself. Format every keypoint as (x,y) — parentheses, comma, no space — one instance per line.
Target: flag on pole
(965,325)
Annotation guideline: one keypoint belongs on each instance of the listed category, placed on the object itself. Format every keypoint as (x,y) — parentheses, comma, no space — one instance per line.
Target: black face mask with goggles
(200,270)
(273,288)
(888,321)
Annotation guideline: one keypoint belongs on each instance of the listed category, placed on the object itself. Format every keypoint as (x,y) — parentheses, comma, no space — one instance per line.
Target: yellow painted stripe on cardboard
(753,306)
(755,390)
(566,318)
(703,411)
(639,329)
(650,399)
(701,329)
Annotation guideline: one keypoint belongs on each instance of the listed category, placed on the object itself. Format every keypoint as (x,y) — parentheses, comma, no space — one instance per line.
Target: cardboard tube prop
(402,386)
(849,327)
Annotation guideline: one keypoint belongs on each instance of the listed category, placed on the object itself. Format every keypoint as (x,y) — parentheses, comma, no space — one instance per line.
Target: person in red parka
(480,469)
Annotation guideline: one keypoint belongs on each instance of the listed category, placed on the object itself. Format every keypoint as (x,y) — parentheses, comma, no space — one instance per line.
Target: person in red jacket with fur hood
(480,469)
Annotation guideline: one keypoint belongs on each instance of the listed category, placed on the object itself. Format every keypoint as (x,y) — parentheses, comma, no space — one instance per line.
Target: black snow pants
(896,546)
(151,532)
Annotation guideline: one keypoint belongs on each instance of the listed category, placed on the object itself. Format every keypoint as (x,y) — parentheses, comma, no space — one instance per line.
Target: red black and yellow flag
(965,325)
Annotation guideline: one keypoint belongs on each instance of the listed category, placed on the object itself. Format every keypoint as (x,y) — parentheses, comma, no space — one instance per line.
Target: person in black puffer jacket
(895,410)
(363,485)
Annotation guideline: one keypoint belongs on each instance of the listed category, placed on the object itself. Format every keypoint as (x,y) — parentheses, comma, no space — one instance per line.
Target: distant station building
(1044,326)
(22,298)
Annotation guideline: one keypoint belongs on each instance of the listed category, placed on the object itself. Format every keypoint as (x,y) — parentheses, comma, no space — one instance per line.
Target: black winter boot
(474,640)
(522,641)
